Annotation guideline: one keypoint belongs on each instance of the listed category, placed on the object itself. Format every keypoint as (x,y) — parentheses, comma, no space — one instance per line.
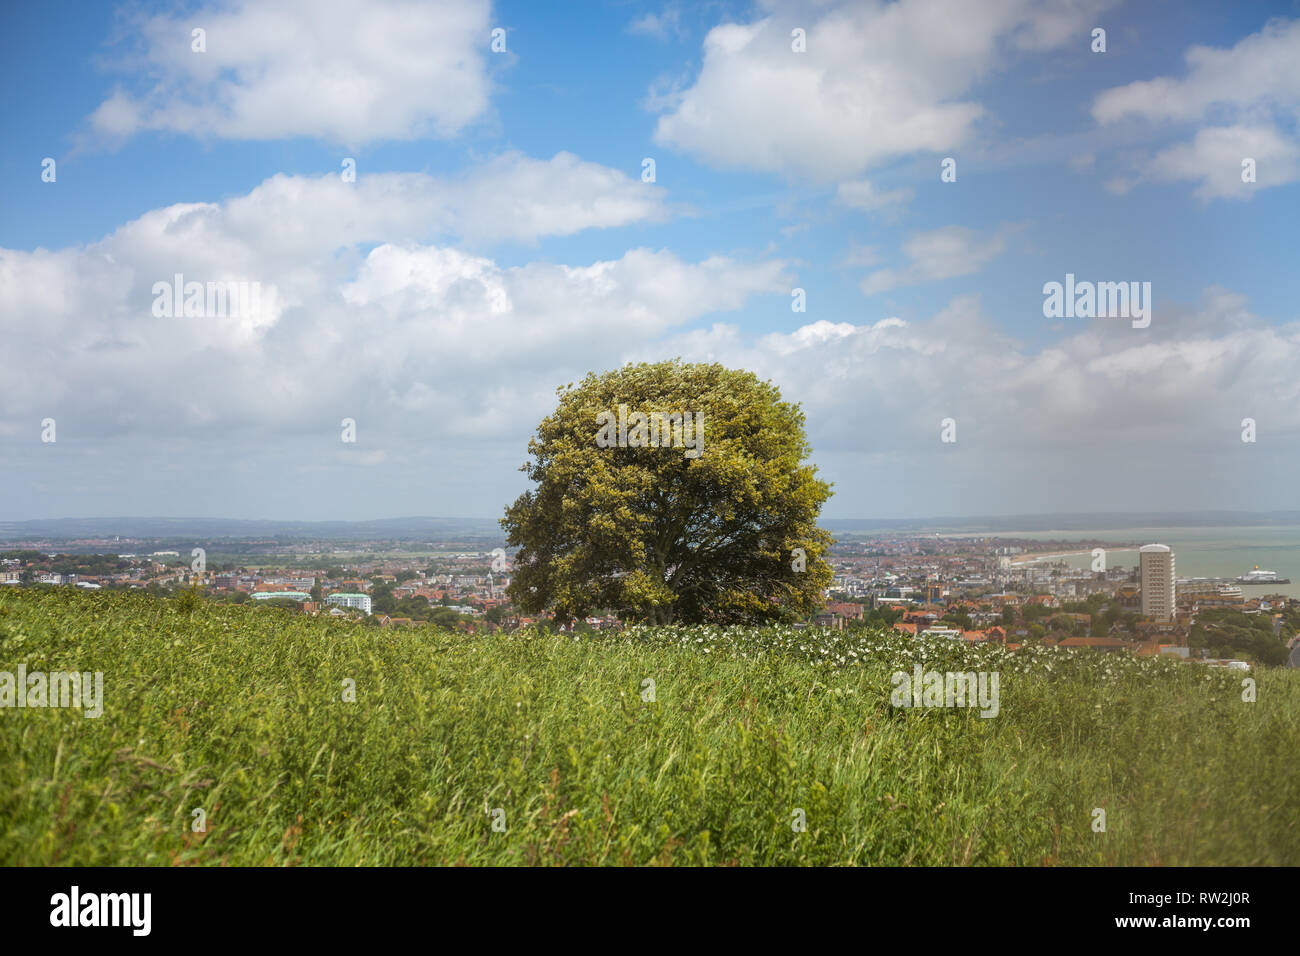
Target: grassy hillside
(237,710)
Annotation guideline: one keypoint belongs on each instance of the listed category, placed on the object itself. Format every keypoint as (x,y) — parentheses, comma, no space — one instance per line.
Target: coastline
(1046,555)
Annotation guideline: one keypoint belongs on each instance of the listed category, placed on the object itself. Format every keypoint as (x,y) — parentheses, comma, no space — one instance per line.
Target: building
(347,599)
(850,612)
(1157,578)
(1098,643)
(291,595)
(936,631)
(1129,596)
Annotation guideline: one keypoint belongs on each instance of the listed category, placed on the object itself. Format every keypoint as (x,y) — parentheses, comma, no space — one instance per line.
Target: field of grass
(237,711)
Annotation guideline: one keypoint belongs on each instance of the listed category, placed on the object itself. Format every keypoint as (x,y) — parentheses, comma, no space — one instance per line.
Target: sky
(441,212)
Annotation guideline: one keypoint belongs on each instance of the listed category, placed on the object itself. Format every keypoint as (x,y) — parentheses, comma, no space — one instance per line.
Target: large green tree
(724,532)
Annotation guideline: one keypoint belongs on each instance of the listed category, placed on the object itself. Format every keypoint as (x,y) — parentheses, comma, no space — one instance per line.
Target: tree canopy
(663,517)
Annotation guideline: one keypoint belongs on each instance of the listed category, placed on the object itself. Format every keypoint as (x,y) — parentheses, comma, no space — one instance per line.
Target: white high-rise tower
(1157,575)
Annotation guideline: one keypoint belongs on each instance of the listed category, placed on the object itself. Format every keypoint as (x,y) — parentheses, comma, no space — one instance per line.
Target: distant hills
(400,529)
(433,529)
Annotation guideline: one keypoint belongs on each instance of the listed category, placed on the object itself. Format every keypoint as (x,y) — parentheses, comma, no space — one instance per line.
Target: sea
(1198,552)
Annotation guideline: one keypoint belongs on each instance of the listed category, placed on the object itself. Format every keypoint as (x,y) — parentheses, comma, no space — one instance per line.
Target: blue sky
(466,282)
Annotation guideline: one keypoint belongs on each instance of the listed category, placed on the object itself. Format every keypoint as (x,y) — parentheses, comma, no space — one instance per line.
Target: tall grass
(238,711)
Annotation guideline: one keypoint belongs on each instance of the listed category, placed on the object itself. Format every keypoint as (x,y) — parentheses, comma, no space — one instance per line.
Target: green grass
(237,710)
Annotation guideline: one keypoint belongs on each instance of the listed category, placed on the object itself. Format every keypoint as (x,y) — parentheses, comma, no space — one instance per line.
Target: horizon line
(1206,513)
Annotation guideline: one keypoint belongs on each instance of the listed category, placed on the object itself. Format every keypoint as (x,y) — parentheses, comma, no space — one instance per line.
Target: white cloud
(1260,66)
(659,25)
(447,360)
(1108,418)
(344,71)
(877,81)
(405,327)
(815,336)
(864,195)
(511,197)
(515,197)
(1213,159)
(1253,85)
(941,254)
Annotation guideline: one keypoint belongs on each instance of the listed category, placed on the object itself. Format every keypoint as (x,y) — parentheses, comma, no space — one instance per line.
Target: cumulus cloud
(447,359)
(1253,85)
(344,71)
(361,306)
(1108,418)
(940,254)
(877,81)
(1097,389)
(1259,66)
(1214,157)
(864,195)
(511,197)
